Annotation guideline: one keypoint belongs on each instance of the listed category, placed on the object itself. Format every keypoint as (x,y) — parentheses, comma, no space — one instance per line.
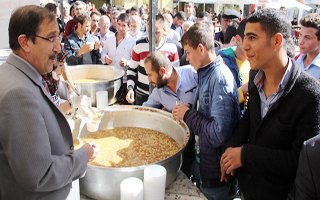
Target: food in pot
(131,146)
(88,80)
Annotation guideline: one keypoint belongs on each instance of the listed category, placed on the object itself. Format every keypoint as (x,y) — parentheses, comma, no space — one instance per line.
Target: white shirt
(123,50)
(104,38)
(137,36)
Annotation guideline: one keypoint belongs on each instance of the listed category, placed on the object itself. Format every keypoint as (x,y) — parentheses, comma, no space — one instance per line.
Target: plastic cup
(102,99)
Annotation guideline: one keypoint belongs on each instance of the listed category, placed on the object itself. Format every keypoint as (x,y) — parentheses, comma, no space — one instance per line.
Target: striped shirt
(137,72)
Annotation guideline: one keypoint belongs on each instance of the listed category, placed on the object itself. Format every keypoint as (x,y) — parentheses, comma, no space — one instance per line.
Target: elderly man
(283,112)
(227,17)
(80,46)
(37,160)
(104,32)
(135,26)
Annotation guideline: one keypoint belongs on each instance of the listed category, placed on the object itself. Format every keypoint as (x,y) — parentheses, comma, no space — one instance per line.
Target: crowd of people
(251,103)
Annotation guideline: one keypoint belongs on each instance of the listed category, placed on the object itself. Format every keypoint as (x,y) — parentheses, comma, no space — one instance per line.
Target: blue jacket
(230,60)
(72,45)
(215,119)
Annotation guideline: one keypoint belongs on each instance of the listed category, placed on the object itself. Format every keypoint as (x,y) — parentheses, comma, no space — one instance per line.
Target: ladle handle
(74,89)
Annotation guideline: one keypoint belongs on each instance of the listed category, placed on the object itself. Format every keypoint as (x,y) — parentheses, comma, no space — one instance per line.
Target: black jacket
(271,146)
(307,184)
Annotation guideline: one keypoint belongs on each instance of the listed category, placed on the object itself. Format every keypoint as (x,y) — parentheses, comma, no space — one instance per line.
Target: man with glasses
(80,46)
(37,160)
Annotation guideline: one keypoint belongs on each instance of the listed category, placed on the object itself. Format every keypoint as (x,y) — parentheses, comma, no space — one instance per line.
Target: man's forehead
(254,28)
(48,26)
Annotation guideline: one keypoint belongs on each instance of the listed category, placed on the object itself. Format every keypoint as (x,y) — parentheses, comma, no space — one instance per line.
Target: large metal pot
(104,182)
(110,79)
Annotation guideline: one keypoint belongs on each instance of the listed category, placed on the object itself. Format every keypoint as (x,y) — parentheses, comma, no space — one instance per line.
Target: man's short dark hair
(180,15)
(103,11)
(199,33)
(52,7)
(271,22)
(231,32)
(82,18)
(241,28)
(134,9)
(159,18)
(158,60)
(203,14)
(95,13)
(26,20)
(312,21)
(124,17)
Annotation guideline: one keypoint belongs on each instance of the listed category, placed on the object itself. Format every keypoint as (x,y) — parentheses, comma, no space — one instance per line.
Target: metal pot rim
(119,71)
(149,109)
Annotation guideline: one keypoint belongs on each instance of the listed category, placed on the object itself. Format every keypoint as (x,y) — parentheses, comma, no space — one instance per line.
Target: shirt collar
(29,66)
(315,62)
(260,76)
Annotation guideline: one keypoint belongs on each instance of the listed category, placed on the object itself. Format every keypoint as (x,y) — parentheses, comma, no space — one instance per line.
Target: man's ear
(201,47)
(238,39)
(24,42)
(162,71)
(277,40)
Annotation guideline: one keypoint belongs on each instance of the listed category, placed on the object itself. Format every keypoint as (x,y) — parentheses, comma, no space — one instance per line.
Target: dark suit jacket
(36,156)
(271,146)
(307,183)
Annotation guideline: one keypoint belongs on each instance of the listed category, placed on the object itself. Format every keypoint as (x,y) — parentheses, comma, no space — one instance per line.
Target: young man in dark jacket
(283,112)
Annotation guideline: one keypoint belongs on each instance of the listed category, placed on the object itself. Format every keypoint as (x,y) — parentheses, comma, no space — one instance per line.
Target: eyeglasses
(51,39)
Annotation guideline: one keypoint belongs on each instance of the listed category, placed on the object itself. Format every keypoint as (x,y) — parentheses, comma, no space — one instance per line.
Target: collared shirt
(137,36)
(267,102)
(103,38)
(313,69)
(116,52)
(186,89)
(44,87)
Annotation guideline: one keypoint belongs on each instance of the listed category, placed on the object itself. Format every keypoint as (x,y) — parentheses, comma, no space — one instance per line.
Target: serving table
(181,189)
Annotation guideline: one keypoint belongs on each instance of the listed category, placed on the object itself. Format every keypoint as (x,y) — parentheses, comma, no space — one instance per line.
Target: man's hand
(123,62)
(130,96)
(179,111)
(85,49)
(91,149)
(230,161)
(96,45)
(108,59)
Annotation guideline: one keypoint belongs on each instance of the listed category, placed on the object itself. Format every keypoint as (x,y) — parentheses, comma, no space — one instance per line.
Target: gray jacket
(37,160)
